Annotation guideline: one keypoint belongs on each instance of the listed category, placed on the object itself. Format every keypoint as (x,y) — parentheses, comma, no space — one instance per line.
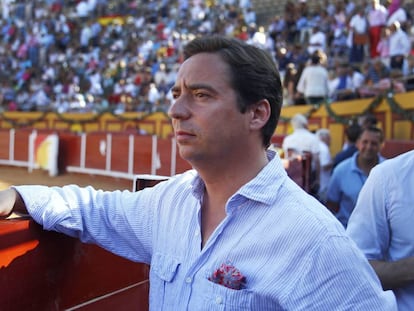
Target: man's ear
(260,114)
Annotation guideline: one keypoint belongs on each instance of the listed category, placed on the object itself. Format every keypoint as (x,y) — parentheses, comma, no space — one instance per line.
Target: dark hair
(368,120)
(254,75)
(352,132)
(373,129)
(315,58)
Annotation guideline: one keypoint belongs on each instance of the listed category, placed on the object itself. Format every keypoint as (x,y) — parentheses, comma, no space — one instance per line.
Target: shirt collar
(263,188)
(354,166)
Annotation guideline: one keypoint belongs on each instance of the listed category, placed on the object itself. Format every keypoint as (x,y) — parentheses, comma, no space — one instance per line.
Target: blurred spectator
(341,87)
(349,176)
(302,141)
(377,18)
(289,84)
(358,36)
(352,133)
(374,71)
(400,46)
(317,41)
(388,82)
(396,13)
(276,28)
(325,162)
(357,77)
(367,120)
(339,47)
(313,82)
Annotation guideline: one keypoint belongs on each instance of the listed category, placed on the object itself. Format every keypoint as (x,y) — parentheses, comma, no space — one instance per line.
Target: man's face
(369,145)
(207,123)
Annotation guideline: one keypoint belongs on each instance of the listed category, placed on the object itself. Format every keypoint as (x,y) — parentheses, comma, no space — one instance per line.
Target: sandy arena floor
(10,175)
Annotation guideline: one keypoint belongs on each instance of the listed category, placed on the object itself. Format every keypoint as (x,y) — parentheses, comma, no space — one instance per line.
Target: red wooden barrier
(4,145)
(393,148)
(42,270)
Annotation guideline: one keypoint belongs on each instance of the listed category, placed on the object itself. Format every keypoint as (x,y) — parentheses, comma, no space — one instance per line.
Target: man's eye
(200,95)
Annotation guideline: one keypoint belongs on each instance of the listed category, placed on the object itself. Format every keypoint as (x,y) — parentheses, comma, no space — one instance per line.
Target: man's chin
(186,153)
(189,154)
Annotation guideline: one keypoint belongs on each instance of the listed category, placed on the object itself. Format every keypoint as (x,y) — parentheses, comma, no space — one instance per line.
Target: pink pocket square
(228,276)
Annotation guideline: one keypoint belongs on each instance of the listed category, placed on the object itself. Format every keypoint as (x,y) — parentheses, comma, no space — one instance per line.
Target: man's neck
(221,183)
(223,178)
(367,165)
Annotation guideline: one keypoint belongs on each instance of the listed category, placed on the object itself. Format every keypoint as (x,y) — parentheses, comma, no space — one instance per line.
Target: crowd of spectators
(94,55)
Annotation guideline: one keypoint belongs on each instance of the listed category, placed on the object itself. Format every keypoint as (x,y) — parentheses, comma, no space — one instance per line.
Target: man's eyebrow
(174,89)
(195,86)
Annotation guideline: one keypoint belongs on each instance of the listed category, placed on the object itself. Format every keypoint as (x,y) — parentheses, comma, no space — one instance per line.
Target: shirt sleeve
(367,225)
(339,256)
(302,82)
(334,186)
(119,221)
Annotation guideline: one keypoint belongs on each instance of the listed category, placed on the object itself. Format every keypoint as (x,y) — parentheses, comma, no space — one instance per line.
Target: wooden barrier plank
(21,145)
(96,149)
(120,152)
(142,154)
(4,144)
(164,153)
(69,150)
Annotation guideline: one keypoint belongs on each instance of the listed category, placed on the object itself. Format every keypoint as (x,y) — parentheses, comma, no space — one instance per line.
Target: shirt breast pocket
(163,271)
(218,297)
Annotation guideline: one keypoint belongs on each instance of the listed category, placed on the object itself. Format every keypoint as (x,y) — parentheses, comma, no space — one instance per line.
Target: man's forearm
(11,202)
(394,274)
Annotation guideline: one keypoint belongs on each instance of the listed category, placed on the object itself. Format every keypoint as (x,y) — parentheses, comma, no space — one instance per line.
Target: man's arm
(394,274)
(11,202)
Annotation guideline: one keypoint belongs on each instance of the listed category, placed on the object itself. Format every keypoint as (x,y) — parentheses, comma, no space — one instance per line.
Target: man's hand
(9,199)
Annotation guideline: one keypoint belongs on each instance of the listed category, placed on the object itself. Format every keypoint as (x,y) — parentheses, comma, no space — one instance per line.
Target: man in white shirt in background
(303,141)
(317,41)
(313,82)
(400,46)
(325,161)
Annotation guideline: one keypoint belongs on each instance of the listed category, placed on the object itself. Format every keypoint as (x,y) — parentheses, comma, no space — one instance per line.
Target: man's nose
(178,109)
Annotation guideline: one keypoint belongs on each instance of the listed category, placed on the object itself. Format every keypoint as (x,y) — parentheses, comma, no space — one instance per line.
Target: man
(381,225)
(352,133)
(396,13)
(341,86)
(234,233)
(317,41)
(359,38)
(325,162)
(303,141)
(313,82)
(349,176)
(400,46)
(377,17)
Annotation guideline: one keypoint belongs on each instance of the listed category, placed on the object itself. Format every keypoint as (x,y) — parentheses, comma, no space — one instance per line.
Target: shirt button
(188,280)
(197,233)
(219,300)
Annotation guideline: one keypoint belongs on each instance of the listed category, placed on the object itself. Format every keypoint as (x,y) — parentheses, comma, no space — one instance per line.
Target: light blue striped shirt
(291,249)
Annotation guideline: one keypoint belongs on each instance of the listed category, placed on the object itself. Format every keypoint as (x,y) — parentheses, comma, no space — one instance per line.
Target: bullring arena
(10,175)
